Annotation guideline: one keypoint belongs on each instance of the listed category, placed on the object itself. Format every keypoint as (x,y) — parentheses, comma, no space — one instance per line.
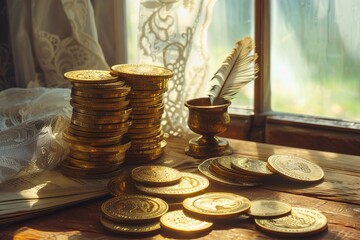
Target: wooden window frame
(264,125)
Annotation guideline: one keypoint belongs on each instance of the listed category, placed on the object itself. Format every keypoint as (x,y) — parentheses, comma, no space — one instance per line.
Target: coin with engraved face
(295,168)
(178,221)
(134,208)
(301,222)
(189,184)
(90,76)
(251,166)
(128,228)
(217,205)
(156,175)
(268,209)
(135,71)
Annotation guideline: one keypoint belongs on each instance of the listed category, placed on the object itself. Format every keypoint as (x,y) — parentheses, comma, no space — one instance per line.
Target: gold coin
(143,95)
(155,139)
(147,130)
(217,205)
(151,100)
(135,150)
(251,166)
(295,168)
(88,118)
(136,159)
(130,229)
(156,175)
(101,106)
(97,157)
(301,222)
(148,110)
(102,127)
(110,85)
(134,208)
(71,138)
(120,147)
(134,71)
(99,113)
(144,146)
(134,136)
(268,209)
(89,100)
(87,132)
(178,221)
(204,168)
(189,184)
(101,93)
(148,84)
(146,125)
(90,76)
(155,115)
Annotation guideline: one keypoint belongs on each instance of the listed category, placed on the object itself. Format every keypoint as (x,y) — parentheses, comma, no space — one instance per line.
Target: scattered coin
(181,223)
(301,222)
(189,184)
(134,208)
(130,229)
(216,205)
(295,168)
(251,166)
(156,175)
(268,209)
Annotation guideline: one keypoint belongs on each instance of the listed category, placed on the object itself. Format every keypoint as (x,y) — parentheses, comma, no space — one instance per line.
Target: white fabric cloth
(51,37)
(31,125)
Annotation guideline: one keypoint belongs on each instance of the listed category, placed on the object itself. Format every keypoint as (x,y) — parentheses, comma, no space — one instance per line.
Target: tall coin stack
(99,120)
(148,85)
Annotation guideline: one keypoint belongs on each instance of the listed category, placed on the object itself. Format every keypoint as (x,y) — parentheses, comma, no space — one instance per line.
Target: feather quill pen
(237,70)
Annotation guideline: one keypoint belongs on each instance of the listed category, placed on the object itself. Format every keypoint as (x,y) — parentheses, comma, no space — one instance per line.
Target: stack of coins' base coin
(236,171)
(295,168)
(301,222)
(99,120)
(132,214)
(148,84)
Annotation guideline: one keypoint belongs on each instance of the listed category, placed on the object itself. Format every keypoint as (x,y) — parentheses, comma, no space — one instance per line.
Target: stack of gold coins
(236,171)
(99,120)
(148,85)
(133,214)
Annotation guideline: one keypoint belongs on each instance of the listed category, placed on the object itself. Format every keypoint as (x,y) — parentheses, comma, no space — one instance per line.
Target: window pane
(132,22)
(315,57)
(232,21)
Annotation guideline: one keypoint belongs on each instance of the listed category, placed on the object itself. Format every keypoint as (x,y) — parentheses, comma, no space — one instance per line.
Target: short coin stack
(99,120)
(148,85)
(236,171)
(246,172)
(132,214)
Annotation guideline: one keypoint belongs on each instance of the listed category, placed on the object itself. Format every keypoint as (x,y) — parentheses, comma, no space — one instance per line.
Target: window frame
(295,130)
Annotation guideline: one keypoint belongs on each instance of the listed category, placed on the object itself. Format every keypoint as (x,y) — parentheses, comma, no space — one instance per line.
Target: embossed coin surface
(132,229)
(268,209)
(156,175)
(189,184)
(134,208)
(90,76)
(131,70)
(217,205)
(300,222)
(295,168)
(178,221)
(251,166)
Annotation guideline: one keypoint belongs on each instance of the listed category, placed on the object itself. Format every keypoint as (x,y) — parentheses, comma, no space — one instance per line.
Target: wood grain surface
(337,197)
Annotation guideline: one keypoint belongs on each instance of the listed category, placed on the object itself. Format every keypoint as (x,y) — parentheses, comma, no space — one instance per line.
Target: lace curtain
(172,33)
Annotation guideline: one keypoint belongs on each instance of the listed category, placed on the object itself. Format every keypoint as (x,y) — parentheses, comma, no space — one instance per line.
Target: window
(308,90)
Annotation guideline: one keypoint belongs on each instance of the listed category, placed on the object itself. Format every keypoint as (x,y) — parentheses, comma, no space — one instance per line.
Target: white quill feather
(237,70)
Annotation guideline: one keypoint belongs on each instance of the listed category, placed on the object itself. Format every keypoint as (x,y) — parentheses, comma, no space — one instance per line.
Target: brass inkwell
(208,116)
(208,121)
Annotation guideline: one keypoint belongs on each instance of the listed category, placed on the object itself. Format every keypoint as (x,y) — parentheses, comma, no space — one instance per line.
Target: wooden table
(337,197)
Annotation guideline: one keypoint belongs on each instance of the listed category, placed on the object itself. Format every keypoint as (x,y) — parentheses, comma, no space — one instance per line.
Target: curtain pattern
(172,33)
